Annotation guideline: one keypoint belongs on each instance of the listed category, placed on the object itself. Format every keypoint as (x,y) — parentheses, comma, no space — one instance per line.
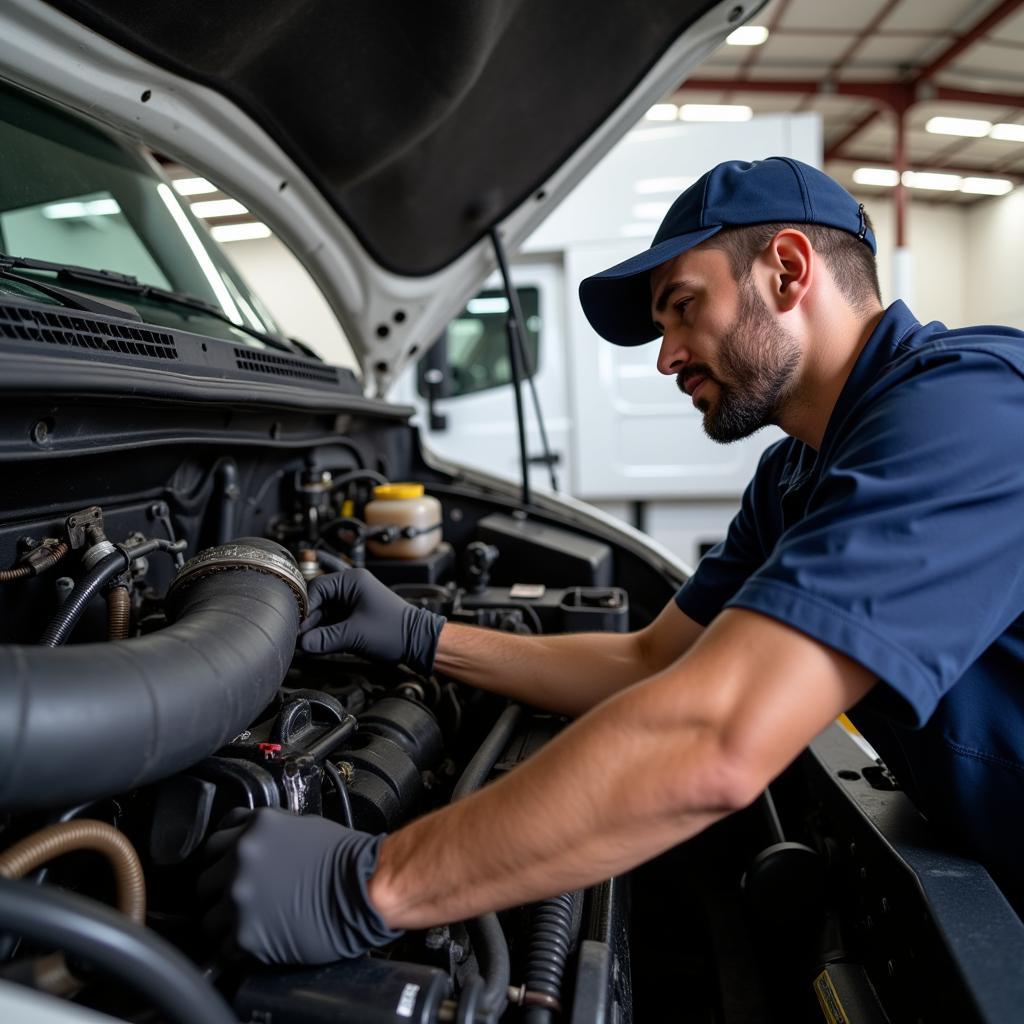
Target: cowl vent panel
(258,361)
(20,323)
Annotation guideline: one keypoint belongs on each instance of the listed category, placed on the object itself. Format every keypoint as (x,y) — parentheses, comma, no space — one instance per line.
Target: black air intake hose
(91,720)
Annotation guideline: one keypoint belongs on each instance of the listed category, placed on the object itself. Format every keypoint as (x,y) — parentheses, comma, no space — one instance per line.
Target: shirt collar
(878,352)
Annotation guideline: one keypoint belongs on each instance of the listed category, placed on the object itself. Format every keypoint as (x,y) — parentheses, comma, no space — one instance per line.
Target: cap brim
(617,302)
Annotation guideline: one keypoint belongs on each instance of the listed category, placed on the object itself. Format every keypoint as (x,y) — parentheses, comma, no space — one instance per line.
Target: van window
(472,355)
(72,194)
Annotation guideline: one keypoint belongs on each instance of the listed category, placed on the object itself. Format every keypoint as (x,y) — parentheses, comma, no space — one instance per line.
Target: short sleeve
(751,535)
(909,559)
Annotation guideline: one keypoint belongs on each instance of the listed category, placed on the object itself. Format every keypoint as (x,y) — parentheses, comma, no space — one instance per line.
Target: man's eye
(680,306)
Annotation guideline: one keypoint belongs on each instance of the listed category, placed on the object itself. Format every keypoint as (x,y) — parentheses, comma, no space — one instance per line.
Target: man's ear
(788,264)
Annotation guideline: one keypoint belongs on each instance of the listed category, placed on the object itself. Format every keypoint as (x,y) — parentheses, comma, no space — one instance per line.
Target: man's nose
(673,355)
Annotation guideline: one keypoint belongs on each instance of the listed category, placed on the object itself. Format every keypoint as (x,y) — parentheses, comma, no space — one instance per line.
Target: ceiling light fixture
(193,186)
(488,305)
(882,176)
(747,35)
(715,112)
(986,186)
(662,112)
(218,208)
(932,180)
(77,208)
(966,126)
(200,251)
(240,232)
(1007,132)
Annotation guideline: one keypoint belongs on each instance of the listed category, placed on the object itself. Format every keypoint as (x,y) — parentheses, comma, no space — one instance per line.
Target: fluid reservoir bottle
(406,508)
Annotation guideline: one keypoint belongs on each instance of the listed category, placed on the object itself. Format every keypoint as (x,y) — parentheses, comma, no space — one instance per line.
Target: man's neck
(836,342)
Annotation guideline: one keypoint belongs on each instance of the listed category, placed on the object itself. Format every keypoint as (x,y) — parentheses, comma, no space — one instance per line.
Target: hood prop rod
(519,363)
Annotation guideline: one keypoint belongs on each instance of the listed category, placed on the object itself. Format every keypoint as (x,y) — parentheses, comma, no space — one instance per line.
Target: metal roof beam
(898,96)
(982,28)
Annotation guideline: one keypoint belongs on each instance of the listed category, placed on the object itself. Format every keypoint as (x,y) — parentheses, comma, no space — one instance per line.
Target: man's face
(722,342)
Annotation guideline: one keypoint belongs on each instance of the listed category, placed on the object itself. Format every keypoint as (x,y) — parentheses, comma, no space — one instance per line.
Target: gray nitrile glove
(353,612)
(292,888)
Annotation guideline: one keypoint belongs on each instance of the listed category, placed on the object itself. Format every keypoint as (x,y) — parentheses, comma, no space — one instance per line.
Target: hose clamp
(96,553)
(257,555)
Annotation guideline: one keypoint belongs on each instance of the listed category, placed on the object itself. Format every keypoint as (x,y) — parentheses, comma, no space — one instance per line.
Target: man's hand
(293,888)
(353,612)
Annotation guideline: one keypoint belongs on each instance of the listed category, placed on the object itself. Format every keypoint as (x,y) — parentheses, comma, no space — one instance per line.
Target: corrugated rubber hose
(51,972)
(119,613)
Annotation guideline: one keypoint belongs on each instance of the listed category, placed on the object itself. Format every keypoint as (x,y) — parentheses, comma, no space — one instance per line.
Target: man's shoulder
(934,347)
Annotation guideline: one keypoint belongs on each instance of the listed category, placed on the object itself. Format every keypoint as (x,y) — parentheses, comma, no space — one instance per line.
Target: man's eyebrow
(666,294)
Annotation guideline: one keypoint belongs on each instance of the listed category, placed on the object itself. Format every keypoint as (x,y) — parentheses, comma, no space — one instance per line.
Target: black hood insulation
(422,124)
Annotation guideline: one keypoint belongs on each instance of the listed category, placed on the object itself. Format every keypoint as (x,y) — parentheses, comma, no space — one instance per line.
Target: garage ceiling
(860,64)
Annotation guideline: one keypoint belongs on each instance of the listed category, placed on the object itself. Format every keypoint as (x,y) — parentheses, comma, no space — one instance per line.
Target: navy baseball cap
(617,302)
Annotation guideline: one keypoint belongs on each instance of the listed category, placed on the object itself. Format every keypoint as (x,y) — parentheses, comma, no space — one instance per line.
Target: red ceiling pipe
(833,151)
(899,197)
(989,22)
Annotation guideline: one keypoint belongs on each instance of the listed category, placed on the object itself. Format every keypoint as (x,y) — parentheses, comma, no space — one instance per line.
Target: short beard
(758,360)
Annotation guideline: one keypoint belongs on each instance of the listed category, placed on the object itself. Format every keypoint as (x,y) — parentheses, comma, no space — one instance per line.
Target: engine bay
(153,688)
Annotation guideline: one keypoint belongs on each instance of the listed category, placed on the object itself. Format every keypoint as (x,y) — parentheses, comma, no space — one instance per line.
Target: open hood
(381,143)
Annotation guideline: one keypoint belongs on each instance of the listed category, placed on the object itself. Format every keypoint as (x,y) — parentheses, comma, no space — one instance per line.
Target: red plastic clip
(268,749)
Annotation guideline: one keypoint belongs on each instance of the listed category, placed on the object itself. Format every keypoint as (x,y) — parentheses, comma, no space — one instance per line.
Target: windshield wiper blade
(128,283)
(71,299)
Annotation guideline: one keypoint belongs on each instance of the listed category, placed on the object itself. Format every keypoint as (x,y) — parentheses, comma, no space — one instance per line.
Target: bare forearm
(646,769)
(567,674)
(618,786)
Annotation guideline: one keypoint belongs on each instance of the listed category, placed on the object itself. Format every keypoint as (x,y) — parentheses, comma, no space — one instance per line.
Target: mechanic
(875,565)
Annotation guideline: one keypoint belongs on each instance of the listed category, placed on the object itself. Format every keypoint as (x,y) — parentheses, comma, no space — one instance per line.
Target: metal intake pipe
(90,720)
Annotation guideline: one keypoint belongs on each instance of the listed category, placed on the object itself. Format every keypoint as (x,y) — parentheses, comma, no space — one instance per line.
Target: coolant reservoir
(406,508)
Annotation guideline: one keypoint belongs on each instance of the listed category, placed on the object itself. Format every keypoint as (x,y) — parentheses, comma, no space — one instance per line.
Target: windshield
(71,194)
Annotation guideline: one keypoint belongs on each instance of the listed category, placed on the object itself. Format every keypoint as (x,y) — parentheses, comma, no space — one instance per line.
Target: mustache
(696,370)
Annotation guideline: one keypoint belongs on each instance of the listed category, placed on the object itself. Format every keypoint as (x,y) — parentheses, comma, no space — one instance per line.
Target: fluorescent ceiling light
(966,126)
(653,186)
(640,229)
(201,253)
(240,232)
(885,176)
(650,211)
(747,35)
(662,112)
(986,186)
(218,208)
(932,180)
(76,208)
(714,112)
(193,186)
(1007,132)
(493,304)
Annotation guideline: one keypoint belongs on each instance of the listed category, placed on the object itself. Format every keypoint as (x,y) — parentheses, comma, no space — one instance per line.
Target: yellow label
(828,999)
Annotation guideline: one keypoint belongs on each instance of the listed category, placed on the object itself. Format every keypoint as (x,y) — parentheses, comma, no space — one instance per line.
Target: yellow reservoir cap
(391,492)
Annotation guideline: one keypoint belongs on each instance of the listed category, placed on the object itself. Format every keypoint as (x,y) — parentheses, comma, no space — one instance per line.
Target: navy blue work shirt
(901,544)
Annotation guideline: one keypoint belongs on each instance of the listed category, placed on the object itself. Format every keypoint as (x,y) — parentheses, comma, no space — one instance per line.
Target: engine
(153,689)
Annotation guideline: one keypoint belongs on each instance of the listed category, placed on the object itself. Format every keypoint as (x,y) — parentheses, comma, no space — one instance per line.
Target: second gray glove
(352,612)
(292,889)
